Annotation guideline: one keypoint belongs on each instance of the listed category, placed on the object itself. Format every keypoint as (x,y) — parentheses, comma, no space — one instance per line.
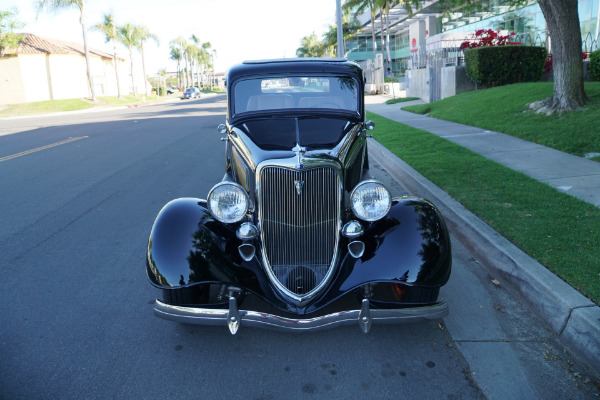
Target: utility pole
(340,29)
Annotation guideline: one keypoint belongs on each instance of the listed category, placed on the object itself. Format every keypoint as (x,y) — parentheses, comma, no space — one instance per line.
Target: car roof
(306,65)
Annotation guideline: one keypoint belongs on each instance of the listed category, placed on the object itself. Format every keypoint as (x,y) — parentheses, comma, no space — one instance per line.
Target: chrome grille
(299,224)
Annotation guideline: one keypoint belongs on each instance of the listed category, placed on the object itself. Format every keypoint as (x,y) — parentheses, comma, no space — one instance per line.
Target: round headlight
(228,202)
(370,200)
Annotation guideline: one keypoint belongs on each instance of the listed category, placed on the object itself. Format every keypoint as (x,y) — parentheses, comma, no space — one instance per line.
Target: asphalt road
(78,195)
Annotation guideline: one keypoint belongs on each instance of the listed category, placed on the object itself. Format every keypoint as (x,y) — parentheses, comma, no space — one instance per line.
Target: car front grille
(299,214)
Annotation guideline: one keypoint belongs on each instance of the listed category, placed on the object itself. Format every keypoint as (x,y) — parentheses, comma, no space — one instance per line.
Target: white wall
(11,84)
(69,77)
(40,77)
(35,77)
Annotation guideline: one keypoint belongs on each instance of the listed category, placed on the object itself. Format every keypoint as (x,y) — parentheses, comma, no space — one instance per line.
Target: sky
(238,30)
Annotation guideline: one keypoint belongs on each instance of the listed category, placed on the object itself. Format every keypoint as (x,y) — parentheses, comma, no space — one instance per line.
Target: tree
(181,44)
(311,46)
(350,26)
(359,7)
(176,56)
(128,35)
(162,73)
(192,52)
(143,35)
(109,29)
(562,20)
(56,5)
(197,56)
(384,8)
(8,24)
(212,55)
(206,58)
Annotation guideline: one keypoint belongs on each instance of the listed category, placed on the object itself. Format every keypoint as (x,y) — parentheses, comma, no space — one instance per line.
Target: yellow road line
(24,153)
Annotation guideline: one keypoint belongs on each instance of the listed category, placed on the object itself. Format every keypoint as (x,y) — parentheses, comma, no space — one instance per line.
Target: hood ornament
(299,150)
(299,185)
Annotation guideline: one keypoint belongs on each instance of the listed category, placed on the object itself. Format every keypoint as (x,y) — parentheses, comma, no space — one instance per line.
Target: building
(420,47)
(50,69)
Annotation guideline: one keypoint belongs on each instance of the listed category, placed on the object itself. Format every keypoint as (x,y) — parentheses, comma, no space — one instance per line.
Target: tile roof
(33,44)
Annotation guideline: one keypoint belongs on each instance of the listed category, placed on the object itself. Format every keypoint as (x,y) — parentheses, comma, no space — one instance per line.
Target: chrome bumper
(233,317)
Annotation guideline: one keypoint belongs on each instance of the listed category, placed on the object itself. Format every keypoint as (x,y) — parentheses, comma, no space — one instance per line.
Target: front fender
(410,245)
(187,245)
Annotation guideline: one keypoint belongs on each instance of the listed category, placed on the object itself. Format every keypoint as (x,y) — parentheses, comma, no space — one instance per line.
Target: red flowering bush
(487,38)
(548,65)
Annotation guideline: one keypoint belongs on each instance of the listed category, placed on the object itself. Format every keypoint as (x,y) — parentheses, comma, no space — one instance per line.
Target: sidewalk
(571,316)
(573,175)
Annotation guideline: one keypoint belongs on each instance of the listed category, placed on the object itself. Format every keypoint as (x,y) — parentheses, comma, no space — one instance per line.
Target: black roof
(305,65)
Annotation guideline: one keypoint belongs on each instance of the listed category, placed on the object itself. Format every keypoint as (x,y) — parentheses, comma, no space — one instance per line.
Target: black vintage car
(298,235)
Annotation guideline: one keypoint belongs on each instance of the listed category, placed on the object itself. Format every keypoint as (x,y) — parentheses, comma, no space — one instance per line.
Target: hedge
(595,65)
(502,65)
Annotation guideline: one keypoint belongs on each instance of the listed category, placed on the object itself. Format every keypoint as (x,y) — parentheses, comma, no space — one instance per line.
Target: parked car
(171,90)
(298,235)
(191,93)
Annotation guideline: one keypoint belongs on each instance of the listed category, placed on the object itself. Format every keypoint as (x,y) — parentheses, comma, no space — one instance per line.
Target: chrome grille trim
(299,232)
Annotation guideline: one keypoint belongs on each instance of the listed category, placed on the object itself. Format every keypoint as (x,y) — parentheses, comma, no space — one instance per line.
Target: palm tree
(213,54)
(60,4)
(109,29)
(311,46)
(128,35)
(176,56)
(350,26)
(192,52)
(198,56)
(143,35)
(384,12)
(181,44)
(162,73)
(205,54)
(359,6)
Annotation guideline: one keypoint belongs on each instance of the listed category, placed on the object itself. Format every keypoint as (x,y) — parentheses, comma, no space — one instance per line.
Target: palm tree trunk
(87,54)
(131,64)
(382,41)
(116,66)
(144,68)
(190,71)
(387,40)
(373,35)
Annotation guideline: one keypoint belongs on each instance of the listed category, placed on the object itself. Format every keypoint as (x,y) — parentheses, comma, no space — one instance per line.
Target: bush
(161,91)
(595,65)
(503,65)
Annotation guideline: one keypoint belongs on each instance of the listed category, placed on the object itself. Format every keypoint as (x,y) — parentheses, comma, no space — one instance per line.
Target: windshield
(296,92)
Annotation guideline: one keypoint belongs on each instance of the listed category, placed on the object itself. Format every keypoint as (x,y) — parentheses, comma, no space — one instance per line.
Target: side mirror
(369,125)
(222,129)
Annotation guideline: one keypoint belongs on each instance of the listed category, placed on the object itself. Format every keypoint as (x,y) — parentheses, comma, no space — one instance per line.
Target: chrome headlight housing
(370,200)
(228,202)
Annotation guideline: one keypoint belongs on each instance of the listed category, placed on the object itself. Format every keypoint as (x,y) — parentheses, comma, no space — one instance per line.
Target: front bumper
(233,318)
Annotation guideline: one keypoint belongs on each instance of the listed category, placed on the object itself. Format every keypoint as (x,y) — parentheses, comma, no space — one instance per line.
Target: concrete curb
(571,316)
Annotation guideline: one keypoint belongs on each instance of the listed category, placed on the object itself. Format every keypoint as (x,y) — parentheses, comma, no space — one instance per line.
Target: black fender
(187,246)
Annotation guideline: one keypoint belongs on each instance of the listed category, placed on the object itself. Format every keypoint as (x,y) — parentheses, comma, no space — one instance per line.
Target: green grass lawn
(400,100)
(505,109)
(42,107)
(561,232)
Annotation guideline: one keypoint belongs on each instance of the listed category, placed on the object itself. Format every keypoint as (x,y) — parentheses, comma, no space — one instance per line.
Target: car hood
(258,140)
